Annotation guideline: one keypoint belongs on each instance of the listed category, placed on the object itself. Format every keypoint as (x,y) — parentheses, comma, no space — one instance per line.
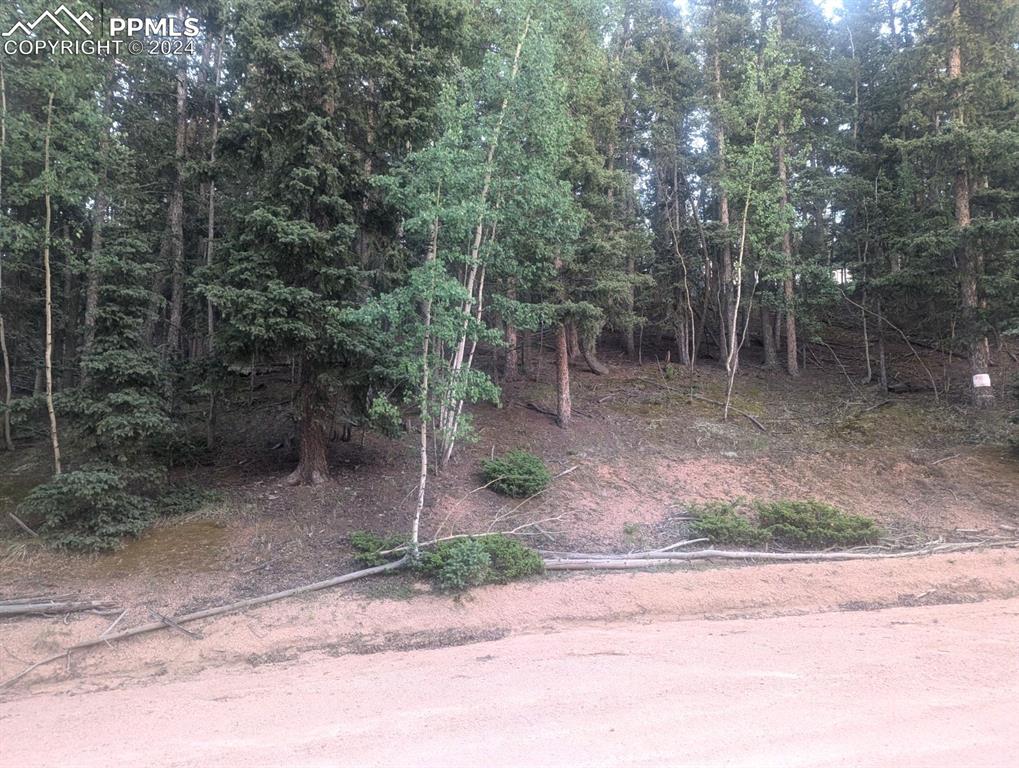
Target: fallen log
(210,612)
(36,608)
(647,560)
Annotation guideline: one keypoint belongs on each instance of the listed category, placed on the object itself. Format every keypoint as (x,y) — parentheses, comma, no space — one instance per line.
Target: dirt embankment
(397,613)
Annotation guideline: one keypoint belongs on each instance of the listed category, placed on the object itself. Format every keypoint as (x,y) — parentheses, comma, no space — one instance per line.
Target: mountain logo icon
(61,18)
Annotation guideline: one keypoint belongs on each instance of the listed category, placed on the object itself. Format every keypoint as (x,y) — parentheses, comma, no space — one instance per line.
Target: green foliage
(88,509)
(468,562)
(511,560)
(723,523)
(518,473)
(814,524)
(795,524)
(461,564)
(369,545)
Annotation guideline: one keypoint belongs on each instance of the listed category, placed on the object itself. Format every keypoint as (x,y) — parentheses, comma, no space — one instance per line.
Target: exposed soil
(397,612)
(932,686)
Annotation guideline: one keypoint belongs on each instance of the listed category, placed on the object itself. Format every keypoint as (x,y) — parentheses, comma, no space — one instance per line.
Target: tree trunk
(424,411)
(631,269)
(175,218)
(98,219)
(210,241)
(792,367)
(881,359)
(573,341)
(587,349)
(48,283)
(725,268)
(69,320)
(512,366)
(8,441)
(312,465)
(768,338)
(563,405)
(970,262)
(789,287)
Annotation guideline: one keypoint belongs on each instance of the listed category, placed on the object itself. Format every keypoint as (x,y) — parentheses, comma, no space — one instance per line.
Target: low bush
(814,524)
(464,563)
(723,523)
(517,473)
(88,509)
(469,562)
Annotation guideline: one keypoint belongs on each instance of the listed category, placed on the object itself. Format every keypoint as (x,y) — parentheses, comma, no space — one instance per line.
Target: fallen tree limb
(646,560)
(210,612)
(47,606)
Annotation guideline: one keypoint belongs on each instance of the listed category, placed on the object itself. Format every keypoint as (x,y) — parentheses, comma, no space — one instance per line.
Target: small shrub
(367,547)
(456,564)
(814,524)
(88,509)
(517,473)
(511,560)
(722,523)
(464,563)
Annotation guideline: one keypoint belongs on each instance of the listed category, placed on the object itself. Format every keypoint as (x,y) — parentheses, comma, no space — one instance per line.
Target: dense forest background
(394,201)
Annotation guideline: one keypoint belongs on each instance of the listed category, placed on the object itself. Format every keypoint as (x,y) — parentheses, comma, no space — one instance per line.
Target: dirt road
(935,685)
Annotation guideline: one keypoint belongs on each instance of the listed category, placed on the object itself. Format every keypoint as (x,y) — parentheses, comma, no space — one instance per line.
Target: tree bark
(312,465)
(970,262)
(563,406)
(725,270)
(69,318)
(48,285)
(210,240)
(512,365)
(573,340)
(587,349)
(175,217)
(424,411)
(768,338)
(98,220)
(789,286)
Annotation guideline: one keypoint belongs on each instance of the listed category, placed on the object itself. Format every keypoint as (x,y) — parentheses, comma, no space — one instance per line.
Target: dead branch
(48,606)
(646,560)
(21,524)
(174,625)
(210,612)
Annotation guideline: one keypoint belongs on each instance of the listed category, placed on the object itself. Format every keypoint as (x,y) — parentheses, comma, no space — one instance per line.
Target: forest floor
(641,451)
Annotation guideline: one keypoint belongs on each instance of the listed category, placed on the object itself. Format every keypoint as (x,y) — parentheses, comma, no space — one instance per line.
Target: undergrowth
(517,473)
(793,524)
(469,562)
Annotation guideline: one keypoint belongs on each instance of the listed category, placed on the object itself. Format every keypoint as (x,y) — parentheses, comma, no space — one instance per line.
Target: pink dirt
(930,686)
